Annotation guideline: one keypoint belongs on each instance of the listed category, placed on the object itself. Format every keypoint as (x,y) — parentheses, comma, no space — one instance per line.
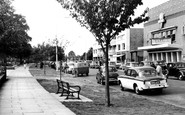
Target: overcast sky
(47,20)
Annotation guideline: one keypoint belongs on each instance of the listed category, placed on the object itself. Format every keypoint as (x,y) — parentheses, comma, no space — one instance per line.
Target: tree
(105,19)
(90,54)
(13,32)
(71,55)
(46,51)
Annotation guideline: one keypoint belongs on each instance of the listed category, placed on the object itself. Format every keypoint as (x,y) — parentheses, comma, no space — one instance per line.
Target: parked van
(81,68)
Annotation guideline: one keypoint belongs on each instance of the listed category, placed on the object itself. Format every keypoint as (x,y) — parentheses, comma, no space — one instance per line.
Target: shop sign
(156,41)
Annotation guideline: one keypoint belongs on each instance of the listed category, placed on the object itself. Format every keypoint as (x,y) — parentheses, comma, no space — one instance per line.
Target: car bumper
(153,87)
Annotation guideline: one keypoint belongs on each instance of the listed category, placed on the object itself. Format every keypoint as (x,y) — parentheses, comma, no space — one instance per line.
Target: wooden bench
(64,87)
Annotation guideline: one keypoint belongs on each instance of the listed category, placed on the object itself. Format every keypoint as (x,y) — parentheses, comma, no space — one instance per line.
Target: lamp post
(57,63)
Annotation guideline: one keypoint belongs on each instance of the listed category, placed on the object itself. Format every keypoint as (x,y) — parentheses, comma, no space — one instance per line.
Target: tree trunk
(107,75)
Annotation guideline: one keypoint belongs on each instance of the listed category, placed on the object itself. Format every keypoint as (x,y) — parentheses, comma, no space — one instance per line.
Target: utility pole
(57,63)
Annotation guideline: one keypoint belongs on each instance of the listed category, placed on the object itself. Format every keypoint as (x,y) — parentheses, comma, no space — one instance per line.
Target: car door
(132,79)
(126,80)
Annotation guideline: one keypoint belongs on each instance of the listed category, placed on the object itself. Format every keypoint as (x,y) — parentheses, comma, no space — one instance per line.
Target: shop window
(118,47)
(173,38)
(123,46)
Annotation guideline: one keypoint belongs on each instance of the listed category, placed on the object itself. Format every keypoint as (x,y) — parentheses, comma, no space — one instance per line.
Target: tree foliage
(71,55)
(90,54)
(14,40)
(105,19)
(47,52)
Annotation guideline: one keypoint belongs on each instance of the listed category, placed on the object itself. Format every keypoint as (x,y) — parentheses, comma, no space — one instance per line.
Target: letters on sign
(156,41)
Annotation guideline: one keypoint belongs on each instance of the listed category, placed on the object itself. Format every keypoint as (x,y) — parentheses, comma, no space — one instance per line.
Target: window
(133,73)
(118,47)
(123,46)
(128,72)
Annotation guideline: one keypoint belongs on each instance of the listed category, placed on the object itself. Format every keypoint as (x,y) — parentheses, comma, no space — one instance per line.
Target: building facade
(123,48)
(164,32)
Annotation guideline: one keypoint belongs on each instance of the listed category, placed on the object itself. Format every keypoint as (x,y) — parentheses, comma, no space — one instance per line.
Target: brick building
(124,47)
(164,33)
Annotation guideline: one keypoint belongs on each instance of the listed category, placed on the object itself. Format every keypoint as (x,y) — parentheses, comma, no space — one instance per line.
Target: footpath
(21,94)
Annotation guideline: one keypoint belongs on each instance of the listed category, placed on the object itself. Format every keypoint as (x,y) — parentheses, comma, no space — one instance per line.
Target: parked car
(147,63)
(142,78)
(80,68)
(70,67)
(113,75)
(113,63)
(128,65)
(94,64)
(177,70)
(10,66)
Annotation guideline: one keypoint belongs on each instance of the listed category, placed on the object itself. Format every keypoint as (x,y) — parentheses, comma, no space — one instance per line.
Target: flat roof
(161,46)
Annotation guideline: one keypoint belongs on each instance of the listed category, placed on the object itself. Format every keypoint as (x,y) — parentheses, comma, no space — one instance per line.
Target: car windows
(148,72)
(128,72)
(134,73)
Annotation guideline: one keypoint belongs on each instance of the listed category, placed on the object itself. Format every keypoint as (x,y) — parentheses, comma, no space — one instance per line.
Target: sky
(48,20)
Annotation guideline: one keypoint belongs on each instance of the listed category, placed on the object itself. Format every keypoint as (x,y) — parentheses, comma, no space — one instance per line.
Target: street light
(57,63)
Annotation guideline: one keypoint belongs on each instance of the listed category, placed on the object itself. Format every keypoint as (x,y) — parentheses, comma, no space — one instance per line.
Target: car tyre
(180,77)
(101,81)
(121,86)
(137,91)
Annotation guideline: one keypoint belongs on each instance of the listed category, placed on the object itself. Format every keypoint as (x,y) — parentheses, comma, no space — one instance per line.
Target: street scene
(92,57)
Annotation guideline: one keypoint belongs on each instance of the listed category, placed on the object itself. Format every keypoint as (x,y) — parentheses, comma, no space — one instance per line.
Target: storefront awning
(161,46)
(118,55)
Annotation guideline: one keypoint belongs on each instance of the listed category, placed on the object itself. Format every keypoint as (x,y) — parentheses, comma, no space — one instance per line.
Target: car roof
(141,67)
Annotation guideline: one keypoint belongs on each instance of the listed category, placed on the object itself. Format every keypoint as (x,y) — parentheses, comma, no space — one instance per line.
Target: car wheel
(87,74)
(137,91)
(180,77)
(165,72)
(97,80)
(122,88)
(102,82)
(76,74)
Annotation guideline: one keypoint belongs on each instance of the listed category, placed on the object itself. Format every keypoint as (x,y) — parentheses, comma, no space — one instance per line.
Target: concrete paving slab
(63,98)
(21,94)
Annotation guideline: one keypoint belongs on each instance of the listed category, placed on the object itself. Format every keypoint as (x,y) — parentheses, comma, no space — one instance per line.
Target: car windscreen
(147,72)
(112,63)
(71,64)
(134,64)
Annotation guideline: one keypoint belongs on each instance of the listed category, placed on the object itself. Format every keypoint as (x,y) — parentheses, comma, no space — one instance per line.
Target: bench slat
(67,88)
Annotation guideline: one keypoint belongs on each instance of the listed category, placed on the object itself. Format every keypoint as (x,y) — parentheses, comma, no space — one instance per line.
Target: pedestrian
(158,69)
(25,64)
(41,65)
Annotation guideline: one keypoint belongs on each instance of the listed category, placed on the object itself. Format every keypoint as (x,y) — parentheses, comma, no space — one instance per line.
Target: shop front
(164,33)
(167,52)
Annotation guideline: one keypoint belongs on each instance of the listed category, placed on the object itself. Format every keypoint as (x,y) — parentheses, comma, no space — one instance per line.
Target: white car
(142,78)
(70,67)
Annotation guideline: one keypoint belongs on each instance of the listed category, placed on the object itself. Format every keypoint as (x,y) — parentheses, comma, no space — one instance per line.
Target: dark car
(113,75)
(177,70)
(128,65)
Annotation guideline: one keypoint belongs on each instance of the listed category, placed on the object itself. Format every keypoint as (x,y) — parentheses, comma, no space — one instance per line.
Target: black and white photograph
(92,57)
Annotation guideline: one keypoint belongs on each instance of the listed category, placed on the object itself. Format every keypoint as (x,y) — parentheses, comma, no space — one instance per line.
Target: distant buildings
(123,48)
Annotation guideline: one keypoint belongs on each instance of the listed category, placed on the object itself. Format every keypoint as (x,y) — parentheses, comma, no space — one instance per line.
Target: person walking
(158,69)
(25,64)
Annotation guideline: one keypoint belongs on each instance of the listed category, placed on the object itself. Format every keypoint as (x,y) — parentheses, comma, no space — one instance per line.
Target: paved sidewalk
(21,94)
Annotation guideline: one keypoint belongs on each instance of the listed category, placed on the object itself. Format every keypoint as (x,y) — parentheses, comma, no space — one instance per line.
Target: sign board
(156,41)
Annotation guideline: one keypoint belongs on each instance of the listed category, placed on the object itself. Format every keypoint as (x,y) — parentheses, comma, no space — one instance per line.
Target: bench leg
(57,91)
(62,93)
(78,95)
